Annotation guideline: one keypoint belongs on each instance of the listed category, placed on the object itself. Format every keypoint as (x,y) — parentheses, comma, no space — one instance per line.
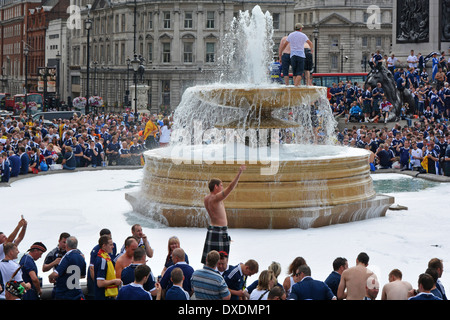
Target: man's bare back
(214,201)
(354,280)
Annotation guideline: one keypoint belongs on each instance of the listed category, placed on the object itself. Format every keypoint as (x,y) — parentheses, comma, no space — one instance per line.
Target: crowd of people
(93,140)
(421,144)
(121,272)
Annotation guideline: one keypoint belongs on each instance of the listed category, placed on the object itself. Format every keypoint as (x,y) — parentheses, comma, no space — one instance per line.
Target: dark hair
(212,183)
(141,271)
(338,262)
(103,240)
(276,291)
(105,231)
(64,235)
(433,273)
(363,258)
(295,264)
(427,281)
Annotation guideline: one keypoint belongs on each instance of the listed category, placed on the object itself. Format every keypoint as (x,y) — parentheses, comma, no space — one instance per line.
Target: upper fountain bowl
(261,96)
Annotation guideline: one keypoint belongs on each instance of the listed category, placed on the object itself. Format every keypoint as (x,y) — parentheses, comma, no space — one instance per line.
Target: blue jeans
(65,166)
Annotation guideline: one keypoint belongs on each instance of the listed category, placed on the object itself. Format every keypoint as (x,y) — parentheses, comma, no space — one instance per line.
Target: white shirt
(412,60)
(392,61)
(165,135)
(7,269)
(416,153)
(256,294)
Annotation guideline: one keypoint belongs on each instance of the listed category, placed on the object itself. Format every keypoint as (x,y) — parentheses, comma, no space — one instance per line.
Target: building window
(334,42)
(166,92)
(365,41)
(166,51)
(210,20)
(150,52)
(276,21)
(188,52)
(188,23)
(334,62)
(378,41)
(210,51)
(150,20)
(123,23)
(166,21)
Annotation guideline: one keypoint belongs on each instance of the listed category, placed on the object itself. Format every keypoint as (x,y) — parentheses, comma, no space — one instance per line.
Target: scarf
(110,291)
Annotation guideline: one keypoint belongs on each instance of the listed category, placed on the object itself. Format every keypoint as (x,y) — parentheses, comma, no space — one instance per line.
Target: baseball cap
(298,26)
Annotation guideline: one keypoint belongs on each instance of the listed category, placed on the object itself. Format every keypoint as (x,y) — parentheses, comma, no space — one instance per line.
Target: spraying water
(296,175)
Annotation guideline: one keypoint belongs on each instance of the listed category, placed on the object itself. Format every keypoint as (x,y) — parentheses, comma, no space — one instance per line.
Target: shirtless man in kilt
(217,236)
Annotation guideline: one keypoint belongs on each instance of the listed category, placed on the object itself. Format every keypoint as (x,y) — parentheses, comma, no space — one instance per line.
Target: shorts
(285,63)
(216,239)
(298,65)
(308,60)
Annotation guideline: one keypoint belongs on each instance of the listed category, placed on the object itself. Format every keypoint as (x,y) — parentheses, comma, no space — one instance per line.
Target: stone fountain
(303,182)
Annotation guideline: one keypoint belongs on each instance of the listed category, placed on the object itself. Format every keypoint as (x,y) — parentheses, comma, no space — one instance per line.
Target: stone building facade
(179,41)
(349,31)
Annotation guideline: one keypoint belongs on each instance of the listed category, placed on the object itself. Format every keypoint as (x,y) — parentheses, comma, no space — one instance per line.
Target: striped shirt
(208,284)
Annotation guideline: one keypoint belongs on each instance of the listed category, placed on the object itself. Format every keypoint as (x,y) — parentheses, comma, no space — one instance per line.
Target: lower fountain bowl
(297,186)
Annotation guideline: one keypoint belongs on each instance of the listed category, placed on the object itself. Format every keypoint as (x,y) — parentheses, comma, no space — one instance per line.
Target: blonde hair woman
(266,282)
(172,244)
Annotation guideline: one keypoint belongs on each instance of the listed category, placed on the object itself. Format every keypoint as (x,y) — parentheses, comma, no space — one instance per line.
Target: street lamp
(342,58)
(127,91)
(87,26)
(25,52)
(316,37)
(58,74)
(135,64)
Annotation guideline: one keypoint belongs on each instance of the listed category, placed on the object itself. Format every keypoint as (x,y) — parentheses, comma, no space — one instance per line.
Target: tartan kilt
(216,239)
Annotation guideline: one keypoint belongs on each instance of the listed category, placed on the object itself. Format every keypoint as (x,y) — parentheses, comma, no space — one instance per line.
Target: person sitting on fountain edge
(217,236)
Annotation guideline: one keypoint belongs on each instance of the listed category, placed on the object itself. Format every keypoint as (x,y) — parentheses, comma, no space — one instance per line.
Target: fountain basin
(312,186)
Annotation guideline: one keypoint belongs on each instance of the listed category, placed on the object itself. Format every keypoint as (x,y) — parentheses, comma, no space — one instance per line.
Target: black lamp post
(87,26)
(58,74)
(342,58)
(25,52)
(135,63)
(127,90)
(316,37)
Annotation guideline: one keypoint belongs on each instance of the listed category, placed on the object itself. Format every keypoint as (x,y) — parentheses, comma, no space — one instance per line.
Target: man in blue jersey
(69,272)
(236,279)
(135,290)
(127,274)
(178,258)
(5,167)
(30,271)
(93,256)
(105,282)
(332,281)
(425,283)
(176,292)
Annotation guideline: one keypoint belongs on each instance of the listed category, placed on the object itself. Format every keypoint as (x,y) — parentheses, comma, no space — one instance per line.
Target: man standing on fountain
(297,40)
(217,236)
